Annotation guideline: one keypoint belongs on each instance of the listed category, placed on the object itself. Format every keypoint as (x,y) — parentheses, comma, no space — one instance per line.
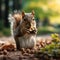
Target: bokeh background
(47,14)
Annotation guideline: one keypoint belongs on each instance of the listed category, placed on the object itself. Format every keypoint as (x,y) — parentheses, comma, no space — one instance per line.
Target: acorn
(28,51)
(23,50)
(5,52)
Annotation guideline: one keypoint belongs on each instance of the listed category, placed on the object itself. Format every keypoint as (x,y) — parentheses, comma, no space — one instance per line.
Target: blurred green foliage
(6,32)
(47,30)
(1,24)
(39,13)
(53,48)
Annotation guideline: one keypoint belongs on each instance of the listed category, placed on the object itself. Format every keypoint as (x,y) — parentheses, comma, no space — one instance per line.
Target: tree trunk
(6,24)
(17,4)
(0,9)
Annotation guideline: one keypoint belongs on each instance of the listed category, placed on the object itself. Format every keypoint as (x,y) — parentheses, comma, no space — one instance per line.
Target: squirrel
(23,27)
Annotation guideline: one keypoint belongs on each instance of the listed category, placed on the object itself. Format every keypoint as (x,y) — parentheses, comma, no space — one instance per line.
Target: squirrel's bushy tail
(11,20)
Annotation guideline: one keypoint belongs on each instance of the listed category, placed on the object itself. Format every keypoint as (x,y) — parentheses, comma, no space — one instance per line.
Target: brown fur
(18,18)
(24,30)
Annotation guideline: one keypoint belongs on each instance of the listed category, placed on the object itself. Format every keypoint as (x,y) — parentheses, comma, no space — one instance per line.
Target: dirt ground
(25,54)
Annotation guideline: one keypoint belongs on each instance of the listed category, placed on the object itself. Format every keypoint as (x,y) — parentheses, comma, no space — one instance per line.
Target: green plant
(53,48)
(55,38)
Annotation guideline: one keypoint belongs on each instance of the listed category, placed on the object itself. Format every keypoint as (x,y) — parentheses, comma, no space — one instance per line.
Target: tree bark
(17,4)
(0,9)
(6,24)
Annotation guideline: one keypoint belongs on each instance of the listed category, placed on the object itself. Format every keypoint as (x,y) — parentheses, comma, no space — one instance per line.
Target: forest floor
(25,54)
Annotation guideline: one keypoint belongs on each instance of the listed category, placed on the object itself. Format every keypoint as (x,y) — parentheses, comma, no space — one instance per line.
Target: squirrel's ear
(33,13)
(23,14)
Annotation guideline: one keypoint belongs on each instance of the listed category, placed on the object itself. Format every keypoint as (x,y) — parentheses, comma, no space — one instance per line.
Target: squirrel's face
(29,22)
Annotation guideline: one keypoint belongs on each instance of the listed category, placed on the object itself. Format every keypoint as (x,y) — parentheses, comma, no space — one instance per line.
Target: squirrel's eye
(24,19)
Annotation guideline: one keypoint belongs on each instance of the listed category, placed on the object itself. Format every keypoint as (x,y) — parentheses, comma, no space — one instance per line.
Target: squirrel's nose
(33,30)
